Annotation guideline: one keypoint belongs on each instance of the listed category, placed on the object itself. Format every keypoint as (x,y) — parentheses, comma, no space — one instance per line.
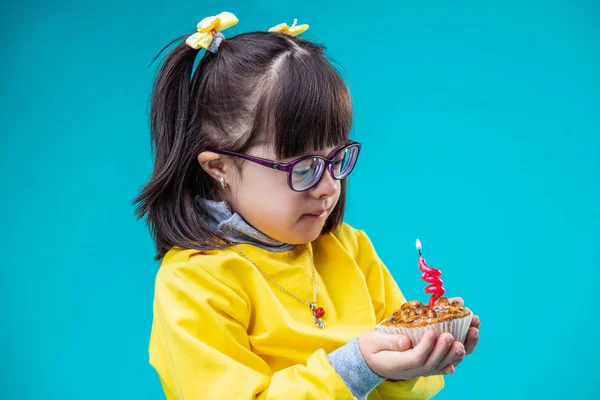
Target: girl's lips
(318,214)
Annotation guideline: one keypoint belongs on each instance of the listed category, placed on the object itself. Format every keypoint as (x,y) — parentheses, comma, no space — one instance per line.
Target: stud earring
(223,184)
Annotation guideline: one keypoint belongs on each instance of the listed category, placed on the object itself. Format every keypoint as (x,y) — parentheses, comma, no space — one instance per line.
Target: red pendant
(319,312)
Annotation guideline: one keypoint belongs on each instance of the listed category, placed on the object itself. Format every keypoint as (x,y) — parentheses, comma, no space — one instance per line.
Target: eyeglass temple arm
(257,160)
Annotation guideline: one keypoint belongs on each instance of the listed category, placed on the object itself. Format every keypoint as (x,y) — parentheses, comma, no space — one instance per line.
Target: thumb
(386,341)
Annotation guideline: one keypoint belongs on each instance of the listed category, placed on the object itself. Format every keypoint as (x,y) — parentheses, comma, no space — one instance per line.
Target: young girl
(263,291)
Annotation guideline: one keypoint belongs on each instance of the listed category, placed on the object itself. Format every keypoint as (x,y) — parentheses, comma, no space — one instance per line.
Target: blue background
(480,124)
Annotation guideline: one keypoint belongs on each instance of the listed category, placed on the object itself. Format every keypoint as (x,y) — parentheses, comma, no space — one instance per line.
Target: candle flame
(418,244)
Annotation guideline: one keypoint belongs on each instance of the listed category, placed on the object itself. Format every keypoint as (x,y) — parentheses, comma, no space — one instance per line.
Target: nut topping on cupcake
(414,314)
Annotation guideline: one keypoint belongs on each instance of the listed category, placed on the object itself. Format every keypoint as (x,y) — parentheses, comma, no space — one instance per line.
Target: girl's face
(261,195)
(263,198)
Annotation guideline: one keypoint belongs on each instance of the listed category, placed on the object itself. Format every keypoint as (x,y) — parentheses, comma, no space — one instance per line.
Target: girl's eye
(300,172)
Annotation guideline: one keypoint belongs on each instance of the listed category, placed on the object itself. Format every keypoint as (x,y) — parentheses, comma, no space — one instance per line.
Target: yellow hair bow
(208,36)
(290,30)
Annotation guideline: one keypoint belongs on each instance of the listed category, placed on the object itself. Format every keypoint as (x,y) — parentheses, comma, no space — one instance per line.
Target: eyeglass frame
(289,166)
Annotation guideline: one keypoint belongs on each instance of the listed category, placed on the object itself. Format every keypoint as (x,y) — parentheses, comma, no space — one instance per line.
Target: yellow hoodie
(222,331)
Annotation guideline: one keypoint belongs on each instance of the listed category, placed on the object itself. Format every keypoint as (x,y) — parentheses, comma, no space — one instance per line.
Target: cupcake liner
(458,327)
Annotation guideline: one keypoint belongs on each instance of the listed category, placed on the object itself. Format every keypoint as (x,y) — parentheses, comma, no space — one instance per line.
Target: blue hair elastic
(216,42)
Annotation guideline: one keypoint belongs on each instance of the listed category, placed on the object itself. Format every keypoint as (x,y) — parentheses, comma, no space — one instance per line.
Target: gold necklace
(317,312)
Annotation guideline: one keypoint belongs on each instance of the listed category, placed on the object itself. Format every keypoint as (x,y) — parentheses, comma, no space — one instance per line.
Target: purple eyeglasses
(305,172)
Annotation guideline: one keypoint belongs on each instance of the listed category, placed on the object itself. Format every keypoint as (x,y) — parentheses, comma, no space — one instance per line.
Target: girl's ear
(214,164)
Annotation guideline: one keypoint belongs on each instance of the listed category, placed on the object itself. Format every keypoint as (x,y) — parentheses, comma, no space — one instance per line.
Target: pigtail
(170,106)
(167,200)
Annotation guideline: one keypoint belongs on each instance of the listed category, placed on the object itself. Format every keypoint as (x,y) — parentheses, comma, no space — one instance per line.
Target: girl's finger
(379,341)
(459,299)
(416,357)
(472,340)
(439,353)
(455,363)
(475,322)
(456,353)
(447,370)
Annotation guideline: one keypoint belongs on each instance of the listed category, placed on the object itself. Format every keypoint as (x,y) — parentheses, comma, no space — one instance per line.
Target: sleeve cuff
(349,363)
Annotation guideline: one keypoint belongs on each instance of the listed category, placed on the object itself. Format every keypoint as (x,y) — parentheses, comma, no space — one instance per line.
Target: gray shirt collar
(234,228)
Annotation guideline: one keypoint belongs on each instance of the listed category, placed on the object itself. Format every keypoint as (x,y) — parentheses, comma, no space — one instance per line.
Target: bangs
(305,107)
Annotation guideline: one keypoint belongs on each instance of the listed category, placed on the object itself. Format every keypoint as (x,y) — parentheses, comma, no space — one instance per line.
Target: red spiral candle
(432,276)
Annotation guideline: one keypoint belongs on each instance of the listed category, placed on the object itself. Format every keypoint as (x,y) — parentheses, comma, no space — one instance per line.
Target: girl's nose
(326,187)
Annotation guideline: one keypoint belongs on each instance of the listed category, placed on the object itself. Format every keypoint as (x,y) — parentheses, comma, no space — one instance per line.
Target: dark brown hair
(259,87)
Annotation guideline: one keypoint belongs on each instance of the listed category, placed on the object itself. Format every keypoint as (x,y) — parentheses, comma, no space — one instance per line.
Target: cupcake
(414,319)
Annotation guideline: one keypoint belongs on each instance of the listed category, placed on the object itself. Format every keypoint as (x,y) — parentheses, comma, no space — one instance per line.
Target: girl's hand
(471,340)
(392,357)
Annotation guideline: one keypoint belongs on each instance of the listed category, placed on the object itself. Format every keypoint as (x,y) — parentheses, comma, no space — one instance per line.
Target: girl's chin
(309,232)
(307,229)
